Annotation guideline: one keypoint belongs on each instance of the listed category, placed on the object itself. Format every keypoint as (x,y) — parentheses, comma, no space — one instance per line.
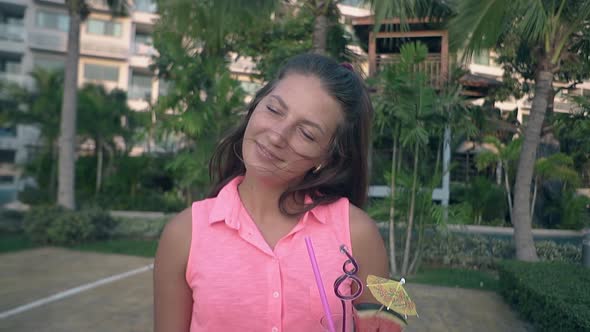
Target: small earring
(317,169)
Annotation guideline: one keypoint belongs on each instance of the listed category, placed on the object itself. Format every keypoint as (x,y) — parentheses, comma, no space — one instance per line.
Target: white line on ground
(73,291)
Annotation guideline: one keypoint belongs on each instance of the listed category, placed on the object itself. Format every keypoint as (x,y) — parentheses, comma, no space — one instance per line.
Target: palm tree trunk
(320,27)
(392,257)
(411,213)
(499,173)
(508,191)
(67,141)
(418,255)
(99,160)
(53,171)
(523,236)
(533,202)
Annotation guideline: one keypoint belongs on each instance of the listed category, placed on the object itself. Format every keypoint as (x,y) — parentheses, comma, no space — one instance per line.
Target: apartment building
(114,52)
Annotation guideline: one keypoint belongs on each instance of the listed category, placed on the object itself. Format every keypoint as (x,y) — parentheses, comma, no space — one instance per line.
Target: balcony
(147,6)
(432,66)
(55,41)
(104,49)
(22,80)
(141,56)
(144,12)
(12,32)
(12,38)
(139,92)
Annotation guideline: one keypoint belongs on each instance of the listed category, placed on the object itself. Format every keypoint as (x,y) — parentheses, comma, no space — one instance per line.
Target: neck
(261,199)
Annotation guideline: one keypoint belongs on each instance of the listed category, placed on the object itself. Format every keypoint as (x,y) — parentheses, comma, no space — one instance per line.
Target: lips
(267,153)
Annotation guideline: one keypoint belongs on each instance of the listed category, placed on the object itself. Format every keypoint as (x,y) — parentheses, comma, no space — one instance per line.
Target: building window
(482,58)
(164,87)
(11,28)
(6,179)
(146,6)
(8,131)
(143,43)
(7,156)
(49,64)
(10,66)
(105,28)
(140,87)
(94,72)
(52,20)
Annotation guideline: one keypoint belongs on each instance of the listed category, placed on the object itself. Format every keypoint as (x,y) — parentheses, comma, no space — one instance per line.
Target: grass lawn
(439,276)
(134,247)
(10,242)
(455,277)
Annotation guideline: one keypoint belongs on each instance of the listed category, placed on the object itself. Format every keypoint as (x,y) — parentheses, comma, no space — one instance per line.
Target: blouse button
(275,329)
(275,295)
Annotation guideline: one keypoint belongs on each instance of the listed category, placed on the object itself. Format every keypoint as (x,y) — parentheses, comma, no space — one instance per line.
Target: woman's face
(290,130)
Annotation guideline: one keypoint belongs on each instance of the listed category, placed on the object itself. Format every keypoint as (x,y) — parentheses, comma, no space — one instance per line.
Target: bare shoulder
(362,227)
(176,237)
(367,248)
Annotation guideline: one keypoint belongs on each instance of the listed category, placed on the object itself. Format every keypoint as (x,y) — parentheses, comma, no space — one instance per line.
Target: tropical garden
(522,175)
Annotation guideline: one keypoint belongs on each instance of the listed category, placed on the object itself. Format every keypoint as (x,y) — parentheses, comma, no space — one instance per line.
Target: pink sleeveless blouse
(240,284)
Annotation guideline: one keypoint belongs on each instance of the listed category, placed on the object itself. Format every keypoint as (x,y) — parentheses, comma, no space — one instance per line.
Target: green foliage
(567,210)
(38,220)
(553,296)
(573,132)
(100,112)
(11,221)
(476,251)
(140,228)
(55,225)
(34,196)
(206,99)
(486,200)
(272,41)
(134,183)
(69,228)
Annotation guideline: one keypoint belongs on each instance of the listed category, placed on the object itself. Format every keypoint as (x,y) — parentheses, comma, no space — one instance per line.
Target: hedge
(554,296)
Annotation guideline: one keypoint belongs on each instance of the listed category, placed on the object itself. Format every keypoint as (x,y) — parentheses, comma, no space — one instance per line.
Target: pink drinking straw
(318,281)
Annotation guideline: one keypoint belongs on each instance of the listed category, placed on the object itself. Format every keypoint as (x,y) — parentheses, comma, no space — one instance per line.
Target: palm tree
(558,167)
(554,30)
(101,113)
(504,155)
(405,108)
(78,10)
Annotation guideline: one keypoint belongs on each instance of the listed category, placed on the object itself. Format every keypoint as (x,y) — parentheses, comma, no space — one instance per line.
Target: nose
(277,137)
(279,134)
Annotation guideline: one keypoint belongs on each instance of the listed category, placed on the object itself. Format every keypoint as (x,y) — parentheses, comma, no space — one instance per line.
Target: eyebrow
(281,101)
(307,122)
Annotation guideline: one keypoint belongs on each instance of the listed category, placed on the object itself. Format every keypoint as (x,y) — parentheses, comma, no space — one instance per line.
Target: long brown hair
(346,173)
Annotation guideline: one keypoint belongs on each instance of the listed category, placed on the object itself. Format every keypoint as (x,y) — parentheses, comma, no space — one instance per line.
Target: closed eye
(271,109)
(307,135)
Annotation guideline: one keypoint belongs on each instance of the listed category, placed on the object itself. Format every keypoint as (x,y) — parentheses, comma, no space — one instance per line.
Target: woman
(296,166)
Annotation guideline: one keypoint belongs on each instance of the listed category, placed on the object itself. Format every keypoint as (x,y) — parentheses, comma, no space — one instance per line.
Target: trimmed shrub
(476,251)
(55,225)
(553,296)
(38,220)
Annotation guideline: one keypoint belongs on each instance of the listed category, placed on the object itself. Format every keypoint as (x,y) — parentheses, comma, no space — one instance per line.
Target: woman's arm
(369,251)
(172,295)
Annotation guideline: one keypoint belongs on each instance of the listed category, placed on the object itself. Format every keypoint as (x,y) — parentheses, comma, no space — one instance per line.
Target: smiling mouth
(266,152)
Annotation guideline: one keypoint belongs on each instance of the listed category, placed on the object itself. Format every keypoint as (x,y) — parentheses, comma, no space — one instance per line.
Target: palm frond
(478,25)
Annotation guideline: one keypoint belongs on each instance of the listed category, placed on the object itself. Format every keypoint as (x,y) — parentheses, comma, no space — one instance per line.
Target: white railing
(12,32)
(104,49)
(139,92)
(144,49)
